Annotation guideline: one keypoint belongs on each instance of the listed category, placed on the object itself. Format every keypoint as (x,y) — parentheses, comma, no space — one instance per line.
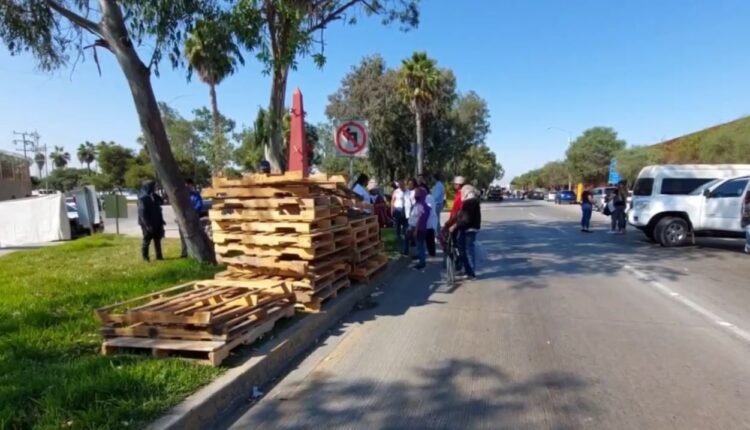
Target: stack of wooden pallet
(284,228)
(202,320)
(367,249)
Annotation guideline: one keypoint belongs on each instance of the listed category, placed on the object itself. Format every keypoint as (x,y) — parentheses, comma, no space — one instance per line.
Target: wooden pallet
(357,223)
(276,202)
(250,265)
(368,269)
(312,282)
(366,251)
(200,303)
(211,352)
(274,214)
(316,302)
(314,226)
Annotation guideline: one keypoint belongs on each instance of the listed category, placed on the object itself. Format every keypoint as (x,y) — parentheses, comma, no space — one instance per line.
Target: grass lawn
(51,375)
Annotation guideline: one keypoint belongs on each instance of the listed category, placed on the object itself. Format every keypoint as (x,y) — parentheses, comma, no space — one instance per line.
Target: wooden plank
(369,268)
(315,304)
(106,313)
(279,251)
(279,202)
(261,192)
(318,225)
(280,214)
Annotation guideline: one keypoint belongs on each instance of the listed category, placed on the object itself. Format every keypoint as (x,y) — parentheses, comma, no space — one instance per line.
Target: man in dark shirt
(150,219)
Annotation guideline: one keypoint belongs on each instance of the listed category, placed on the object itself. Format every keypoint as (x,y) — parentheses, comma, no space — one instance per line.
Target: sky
(652,70)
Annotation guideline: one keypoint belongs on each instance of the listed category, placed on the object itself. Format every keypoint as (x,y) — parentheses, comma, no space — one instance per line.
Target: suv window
(733,188)
(682,186)
(643,187)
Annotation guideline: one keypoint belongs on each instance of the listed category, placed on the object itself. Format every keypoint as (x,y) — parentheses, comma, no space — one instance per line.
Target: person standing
(360,188)
(379,204)
(150,219)
(420,215)
(468,223)
(409,202)
(432,222)
(587,207)
(438,193)
(196,202)
(397,208)
(620,203)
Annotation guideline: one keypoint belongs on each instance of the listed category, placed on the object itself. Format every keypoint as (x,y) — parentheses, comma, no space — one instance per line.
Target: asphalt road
(129,226)
(563,330)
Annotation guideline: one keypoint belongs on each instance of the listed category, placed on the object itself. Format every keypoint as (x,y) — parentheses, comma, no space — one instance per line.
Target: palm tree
(212,52)
(59,157)
(419,83)
(87,154)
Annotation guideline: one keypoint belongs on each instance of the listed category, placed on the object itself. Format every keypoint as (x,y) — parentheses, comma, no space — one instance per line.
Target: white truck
(674,203)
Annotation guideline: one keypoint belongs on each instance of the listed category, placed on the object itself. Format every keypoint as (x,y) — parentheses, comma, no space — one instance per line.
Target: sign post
(116,206)
(350,139)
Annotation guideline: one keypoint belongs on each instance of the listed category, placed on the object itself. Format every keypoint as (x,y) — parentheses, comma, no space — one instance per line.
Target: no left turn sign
(351,139)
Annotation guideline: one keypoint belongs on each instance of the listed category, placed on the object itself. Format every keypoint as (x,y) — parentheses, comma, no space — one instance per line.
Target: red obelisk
(298,154)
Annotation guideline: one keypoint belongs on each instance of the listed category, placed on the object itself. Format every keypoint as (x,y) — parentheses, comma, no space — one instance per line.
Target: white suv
(714,208)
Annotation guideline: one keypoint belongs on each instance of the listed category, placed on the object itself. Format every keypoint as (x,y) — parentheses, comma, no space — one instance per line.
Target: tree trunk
(217,126)
(275,151)
(420,144)
(157,143)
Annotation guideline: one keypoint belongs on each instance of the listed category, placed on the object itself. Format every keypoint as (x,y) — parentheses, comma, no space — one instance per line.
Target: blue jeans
(466,241)
(421,247)
(586,210)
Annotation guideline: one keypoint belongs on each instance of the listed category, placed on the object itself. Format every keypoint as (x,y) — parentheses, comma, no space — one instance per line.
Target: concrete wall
(12,187)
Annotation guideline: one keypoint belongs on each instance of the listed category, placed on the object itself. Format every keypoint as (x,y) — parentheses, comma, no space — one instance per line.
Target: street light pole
(570,140)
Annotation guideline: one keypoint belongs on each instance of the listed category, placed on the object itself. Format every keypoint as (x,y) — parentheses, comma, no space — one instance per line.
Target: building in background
(15,180)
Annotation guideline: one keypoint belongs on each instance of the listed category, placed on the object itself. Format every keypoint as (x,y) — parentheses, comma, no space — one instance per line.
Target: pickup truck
(713,209)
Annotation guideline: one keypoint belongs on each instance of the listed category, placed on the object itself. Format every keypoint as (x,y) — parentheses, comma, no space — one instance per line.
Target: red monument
(298,151)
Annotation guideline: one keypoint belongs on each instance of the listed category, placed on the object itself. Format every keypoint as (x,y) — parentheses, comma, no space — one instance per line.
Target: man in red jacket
(458,183)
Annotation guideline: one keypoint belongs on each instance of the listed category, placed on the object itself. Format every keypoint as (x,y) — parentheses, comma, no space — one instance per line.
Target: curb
(203,408)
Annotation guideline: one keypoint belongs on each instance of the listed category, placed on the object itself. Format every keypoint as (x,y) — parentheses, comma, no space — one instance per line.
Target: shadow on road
(453,391)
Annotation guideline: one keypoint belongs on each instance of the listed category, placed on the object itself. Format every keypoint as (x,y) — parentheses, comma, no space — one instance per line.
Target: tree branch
(336,14)
(76,19)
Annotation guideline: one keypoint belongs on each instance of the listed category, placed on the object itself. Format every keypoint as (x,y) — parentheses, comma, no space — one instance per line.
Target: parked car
(535,195)
(599,194)
(551,196)
(495,194)
(712,209)
(566,197)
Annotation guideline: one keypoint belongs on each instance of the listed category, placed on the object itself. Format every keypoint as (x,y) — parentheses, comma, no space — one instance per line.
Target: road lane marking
(721,322)
(533,215)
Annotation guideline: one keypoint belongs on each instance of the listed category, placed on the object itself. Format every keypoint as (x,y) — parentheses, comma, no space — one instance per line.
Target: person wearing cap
(468,223)
(458,183)
(151,219)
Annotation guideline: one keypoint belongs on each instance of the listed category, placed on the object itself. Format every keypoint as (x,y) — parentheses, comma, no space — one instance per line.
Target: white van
(672,203)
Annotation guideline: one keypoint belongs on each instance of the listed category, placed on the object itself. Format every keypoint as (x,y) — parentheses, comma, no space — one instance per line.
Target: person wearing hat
(458,183)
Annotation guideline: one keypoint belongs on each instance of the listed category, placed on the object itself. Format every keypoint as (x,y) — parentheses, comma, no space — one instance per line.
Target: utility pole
(23,141)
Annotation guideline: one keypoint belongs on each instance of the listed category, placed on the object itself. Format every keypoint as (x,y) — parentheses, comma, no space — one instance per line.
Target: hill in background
(725,143)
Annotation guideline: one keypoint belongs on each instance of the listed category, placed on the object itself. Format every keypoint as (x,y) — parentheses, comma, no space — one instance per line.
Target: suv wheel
(672,231)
